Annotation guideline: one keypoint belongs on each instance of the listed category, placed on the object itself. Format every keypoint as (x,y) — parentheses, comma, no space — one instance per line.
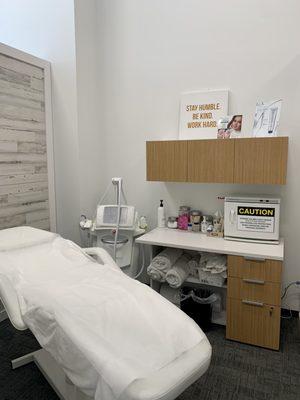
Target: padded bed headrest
(23,236)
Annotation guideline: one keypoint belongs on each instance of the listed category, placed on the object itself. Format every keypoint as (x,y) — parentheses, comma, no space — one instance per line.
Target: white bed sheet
(104,328)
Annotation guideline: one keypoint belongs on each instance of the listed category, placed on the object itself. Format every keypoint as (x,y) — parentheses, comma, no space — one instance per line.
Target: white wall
(91,136)
(151,51)
(46,30)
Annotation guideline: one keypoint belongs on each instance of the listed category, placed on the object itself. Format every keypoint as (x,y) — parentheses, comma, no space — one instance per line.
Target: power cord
(139,273)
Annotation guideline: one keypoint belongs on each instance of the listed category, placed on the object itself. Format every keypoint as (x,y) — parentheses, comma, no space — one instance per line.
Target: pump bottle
(161,220)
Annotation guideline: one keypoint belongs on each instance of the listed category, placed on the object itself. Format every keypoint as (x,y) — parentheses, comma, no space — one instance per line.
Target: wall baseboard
(3,315)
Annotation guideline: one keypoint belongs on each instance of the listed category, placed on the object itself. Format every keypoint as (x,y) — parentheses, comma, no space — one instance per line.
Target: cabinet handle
(255,281)
(253,303)
(259,259)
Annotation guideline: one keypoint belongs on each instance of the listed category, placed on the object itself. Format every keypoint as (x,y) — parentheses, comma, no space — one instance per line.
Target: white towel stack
(162,263)
(213,269)
(213,263)
(177,275)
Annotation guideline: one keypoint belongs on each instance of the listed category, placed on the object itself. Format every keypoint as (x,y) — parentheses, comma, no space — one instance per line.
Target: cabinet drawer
(253,289)
(257,324)
(250,268)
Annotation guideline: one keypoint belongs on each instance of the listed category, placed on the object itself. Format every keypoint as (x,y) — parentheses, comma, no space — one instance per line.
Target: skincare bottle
(161,220)
(204,225)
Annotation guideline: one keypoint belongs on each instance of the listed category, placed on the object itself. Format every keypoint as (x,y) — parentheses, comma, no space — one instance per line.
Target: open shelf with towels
(252,292)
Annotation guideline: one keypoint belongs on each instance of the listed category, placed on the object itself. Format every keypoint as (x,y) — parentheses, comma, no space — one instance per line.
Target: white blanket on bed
(100,325)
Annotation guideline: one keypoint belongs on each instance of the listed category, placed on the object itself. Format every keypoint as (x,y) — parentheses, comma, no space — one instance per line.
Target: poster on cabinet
(200,112)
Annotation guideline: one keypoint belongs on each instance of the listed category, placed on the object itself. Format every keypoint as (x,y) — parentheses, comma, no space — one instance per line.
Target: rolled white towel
(177,275)
(161,264)
(193,265)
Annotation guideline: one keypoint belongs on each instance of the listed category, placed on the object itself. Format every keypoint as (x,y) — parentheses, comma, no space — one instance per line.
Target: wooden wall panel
(23,158)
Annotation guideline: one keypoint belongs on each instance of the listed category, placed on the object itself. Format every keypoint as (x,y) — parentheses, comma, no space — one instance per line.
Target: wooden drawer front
(265,270)
(254,324)
(253,289)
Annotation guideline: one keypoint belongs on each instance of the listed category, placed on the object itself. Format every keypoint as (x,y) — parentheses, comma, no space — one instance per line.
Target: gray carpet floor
(237,371)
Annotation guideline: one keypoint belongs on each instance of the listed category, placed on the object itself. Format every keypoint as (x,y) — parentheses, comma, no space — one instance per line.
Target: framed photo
(230,127)
(200,112)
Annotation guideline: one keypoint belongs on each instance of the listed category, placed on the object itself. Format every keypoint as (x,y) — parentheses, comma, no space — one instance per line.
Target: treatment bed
(104,336)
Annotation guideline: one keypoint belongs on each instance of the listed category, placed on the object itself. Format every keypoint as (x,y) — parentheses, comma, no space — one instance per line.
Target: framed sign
(266,119)
(200,112)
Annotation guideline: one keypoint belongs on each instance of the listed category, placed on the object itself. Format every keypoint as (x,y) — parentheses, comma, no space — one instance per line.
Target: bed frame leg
(19,362)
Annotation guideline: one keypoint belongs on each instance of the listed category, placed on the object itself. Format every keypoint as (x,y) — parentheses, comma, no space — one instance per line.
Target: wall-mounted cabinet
(247,160)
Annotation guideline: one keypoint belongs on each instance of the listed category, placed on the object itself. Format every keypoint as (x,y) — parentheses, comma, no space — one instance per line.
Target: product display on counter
(192,220)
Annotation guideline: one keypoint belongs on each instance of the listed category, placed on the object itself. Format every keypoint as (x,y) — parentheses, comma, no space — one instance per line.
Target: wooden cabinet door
(253,322)
(167,161)
(261,160)
(210,160)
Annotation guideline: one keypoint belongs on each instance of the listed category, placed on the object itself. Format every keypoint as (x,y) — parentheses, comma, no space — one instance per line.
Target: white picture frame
(266,118)
(200,112)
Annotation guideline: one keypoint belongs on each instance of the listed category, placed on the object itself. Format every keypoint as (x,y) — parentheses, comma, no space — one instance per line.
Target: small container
(195,216)
(183,217)
(172,223)
(190,227)
(143,223)
(196,227)
(204,225)
(210,228)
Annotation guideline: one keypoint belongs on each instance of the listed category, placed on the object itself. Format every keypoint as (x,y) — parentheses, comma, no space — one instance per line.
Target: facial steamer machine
(114,228)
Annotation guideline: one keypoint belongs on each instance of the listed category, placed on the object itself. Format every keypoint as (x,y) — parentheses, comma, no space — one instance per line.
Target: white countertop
(200,242)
